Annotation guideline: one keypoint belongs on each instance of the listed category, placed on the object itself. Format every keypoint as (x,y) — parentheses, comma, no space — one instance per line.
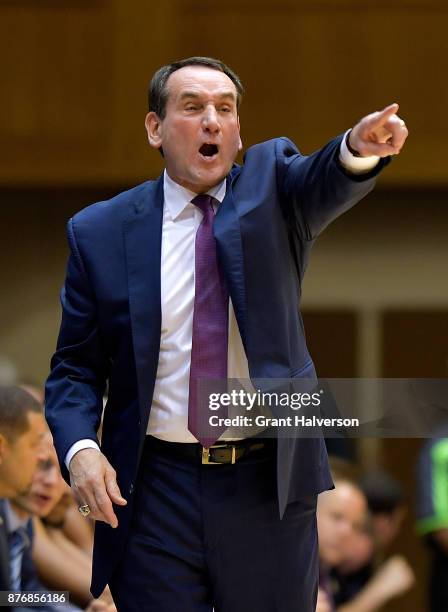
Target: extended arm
(321,186)
(393,579)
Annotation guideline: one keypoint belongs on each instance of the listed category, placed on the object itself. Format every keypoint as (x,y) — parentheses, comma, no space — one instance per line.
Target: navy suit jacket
(275,206)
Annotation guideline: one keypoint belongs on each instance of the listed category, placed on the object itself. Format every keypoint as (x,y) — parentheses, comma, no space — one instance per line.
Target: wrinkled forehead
(199,80)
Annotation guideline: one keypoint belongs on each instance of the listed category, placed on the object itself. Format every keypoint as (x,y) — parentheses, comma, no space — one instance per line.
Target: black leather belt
(225,452)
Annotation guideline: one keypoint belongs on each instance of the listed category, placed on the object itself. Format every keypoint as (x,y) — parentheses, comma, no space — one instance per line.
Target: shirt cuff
(77,446)
(356,165)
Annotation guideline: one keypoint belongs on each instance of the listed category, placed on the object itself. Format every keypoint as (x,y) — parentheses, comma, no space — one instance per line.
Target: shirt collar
(13,521)
(178,197)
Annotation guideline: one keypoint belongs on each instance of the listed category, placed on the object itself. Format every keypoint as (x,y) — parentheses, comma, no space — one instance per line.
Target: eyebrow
(195,95)
(45,464)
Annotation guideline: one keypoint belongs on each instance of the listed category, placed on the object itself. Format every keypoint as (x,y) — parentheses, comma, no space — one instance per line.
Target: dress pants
(207,537)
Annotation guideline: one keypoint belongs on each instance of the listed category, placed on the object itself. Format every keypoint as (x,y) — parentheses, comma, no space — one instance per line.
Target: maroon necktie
(210,326)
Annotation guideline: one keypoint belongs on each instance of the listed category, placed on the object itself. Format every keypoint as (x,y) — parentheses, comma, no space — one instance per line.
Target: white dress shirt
(168,419)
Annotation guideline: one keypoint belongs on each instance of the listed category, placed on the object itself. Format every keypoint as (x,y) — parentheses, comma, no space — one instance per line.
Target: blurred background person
(387,510)
(341,513)
(22,572)
(59,561)
(346,544)
(22,426)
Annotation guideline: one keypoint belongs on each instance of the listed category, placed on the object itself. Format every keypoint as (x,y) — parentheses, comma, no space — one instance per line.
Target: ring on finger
(84,509)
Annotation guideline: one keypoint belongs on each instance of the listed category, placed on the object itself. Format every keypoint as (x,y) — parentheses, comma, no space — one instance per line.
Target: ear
(153,128)
(240,144)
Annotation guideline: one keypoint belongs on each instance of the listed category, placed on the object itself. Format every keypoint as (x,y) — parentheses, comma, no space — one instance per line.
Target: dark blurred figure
(432,514)
(387,506)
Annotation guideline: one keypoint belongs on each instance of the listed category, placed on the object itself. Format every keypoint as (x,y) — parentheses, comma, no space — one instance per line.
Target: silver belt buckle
(206,454)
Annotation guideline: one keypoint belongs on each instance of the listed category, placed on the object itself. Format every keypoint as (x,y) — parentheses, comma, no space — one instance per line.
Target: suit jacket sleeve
(317,188)
(79,367)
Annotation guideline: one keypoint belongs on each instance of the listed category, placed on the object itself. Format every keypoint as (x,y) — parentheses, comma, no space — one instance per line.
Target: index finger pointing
(382,116)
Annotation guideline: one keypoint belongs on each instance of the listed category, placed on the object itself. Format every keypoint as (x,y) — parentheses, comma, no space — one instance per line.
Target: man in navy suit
(198,275)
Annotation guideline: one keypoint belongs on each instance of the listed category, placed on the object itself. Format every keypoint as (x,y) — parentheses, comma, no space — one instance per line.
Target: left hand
(382,133)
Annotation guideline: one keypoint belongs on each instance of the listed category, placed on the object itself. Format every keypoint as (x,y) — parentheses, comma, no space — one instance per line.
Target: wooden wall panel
(313,68)
(54,117)
(332,339)
(76,73)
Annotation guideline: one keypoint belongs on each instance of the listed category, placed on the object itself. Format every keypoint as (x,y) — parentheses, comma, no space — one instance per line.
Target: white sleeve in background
(77,446)
(356,165)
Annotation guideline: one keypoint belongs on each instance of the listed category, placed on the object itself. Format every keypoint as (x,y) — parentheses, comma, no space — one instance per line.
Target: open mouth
(42,499)
(208,150)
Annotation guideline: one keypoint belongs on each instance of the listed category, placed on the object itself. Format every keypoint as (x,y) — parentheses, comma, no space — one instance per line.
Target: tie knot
(204,202)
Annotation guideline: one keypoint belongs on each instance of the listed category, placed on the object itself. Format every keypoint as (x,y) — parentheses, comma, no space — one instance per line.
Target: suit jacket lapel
(143,238)
(230,252)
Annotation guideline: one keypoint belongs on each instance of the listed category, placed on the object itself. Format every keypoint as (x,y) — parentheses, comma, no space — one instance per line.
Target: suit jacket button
(131,489)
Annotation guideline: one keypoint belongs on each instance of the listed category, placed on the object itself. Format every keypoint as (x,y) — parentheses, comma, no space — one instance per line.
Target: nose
(210,121)
(52,476)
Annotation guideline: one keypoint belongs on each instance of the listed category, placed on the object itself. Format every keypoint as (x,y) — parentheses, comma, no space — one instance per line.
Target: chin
(213,176)
(332,558)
